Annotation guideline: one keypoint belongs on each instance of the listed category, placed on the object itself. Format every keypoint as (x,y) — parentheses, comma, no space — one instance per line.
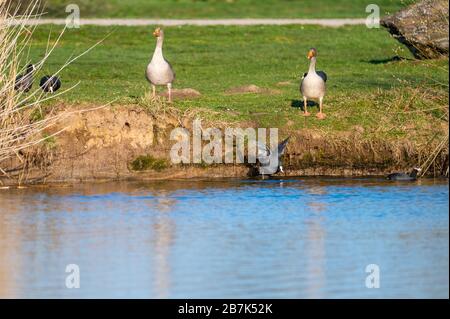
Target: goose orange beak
(157,32)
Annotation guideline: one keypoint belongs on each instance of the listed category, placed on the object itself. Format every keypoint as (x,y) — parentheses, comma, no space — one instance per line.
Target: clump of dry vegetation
(423,28)
(17,130)
(23,120)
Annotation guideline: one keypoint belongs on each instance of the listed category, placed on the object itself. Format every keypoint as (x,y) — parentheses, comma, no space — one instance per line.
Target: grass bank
(386,111)
(222,8)
(374,84)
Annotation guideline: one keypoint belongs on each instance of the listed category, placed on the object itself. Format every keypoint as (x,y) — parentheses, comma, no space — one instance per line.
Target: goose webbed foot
(321,116)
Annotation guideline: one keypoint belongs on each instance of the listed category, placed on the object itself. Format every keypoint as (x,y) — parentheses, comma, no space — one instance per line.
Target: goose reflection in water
(316,248)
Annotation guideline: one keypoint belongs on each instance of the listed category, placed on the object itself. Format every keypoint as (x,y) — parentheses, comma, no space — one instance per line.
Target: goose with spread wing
(269,160)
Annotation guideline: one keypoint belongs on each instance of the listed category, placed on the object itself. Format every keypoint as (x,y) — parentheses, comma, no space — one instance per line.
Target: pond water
(279,238)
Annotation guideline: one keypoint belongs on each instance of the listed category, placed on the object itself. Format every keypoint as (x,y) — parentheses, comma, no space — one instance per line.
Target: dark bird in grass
(270,160)
(405,177)
(50,83)
(24,82)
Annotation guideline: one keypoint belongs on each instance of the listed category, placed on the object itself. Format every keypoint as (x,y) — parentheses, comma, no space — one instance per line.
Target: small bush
(147,162)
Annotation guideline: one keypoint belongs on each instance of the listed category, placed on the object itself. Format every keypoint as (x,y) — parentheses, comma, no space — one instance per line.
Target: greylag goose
(50,83)
(24,82)
(159,71)
(313,85)
(405,177)
(268,165)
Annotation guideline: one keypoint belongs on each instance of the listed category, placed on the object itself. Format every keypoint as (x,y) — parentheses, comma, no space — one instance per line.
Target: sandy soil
(251,88)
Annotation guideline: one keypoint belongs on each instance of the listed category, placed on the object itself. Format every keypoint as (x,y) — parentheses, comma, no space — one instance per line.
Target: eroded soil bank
(104,144)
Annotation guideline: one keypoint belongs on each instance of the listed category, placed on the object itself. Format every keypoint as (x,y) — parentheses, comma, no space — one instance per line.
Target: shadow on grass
(395,58)
(299,104)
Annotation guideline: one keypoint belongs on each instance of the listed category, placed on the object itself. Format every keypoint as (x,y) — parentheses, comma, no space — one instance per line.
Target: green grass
(365,87)
(223,8)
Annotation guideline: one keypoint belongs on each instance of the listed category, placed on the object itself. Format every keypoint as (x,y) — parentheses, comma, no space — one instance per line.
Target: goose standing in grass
(405,177)
(313,85)
(50,83)
(24,82)
(159,71)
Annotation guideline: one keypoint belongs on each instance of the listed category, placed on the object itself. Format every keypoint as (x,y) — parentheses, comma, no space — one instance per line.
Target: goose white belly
(159,72)
(313,86)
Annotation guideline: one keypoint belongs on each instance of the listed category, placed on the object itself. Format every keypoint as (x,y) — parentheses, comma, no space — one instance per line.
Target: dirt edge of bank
(104,145)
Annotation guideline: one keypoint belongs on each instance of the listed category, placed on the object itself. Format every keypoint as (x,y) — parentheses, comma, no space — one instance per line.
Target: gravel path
(203,22)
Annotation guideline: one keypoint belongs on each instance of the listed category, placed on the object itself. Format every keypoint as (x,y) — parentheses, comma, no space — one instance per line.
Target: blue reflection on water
(289,238)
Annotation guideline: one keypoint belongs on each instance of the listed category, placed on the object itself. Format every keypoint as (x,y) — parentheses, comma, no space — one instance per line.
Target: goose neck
(158,54)
(312,65)
(159,42)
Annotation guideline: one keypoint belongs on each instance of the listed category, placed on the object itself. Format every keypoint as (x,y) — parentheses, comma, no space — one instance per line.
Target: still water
(290,238)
